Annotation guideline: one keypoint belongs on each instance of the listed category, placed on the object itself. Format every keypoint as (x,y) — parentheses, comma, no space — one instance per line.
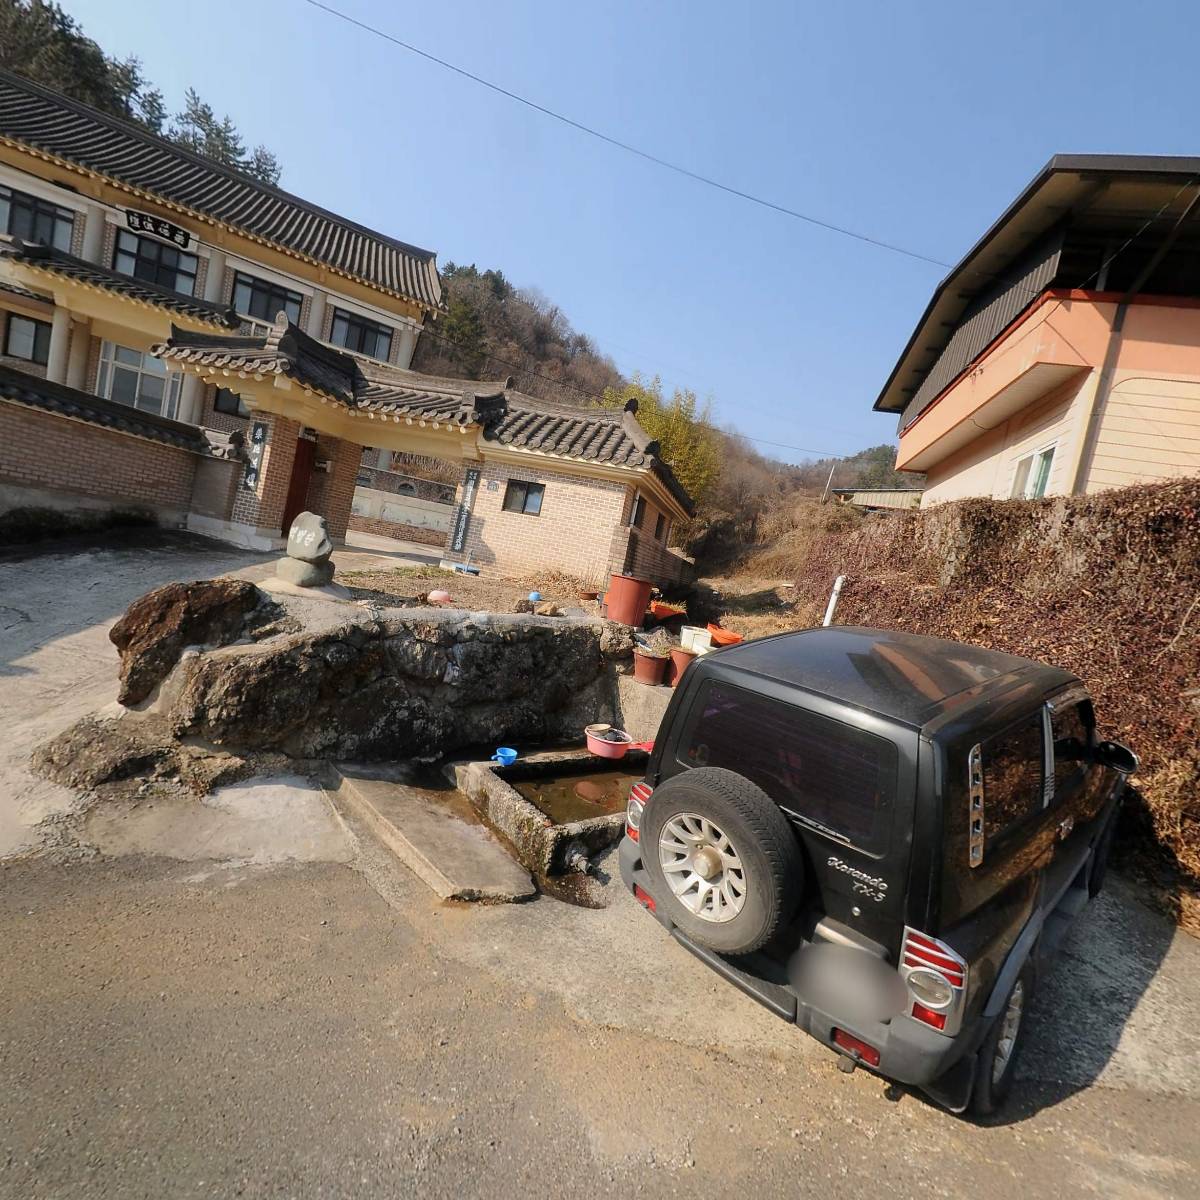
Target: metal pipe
(833,599)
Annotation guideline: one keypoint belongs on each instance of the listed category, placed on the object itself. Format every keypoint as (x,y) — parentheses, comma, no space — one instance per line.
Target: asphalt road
(291,1013)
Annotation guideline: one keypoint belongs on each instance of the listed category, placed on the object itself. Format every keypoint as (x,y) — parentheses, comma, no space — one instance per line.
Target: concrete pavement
(250,996)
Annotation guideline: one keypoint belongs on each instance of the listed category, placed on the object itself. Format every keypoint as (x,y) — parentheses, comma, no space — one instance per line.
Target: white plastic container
(695,637)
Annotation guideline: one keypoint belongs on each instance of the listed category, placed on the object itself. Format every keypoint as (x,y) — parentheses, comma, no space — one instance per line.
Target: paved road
(295,1015)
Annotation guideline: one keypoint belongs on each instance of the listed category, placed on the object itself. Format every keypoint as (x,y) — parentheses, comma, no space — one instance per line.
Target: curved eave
(73,281)
(435,306)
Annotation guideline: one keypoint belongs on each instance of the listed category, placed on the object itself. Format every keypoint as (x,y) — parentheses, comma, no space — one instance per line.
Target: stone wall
(396,684)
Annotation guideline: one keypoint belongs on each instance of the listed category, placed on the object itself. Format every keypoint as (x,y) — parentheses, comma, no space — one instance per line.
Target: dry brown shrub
(1103,585)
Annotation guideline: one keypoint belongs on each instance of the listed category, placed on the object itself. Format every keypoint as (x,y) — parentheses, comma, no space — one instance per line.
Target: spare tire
(725,866)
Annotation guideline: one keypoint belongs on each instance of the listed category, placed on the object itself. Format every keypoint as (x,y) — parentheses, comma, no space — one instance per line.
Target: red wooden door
(297,495)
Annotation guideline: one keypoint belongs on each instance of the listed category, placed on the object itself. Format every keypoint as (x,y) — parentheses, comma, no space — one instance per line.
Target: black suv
(881,837)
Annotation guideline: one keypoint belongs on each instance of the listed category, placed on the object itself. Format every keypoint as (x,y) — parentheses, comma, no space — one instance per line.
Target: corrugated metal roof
(43,120)
(992,311)
(1121,191)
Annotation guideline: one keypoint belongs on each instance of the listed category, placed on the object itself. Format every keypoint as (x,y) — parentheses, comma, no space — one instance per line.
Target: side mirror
(1118,757)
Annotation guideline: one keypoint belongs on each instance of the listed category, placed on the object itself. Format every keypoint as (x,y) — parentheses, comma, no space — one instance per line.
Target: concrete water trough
(557,808)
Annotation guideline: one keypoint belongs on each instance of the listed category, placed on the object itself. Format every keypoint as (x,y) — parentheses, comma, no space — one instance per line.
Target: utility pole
(825,493)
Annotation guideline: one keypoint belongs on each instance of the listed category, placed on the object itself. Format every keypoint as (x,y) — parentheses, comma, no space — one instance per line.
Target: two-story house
(180,338)
(1062,355)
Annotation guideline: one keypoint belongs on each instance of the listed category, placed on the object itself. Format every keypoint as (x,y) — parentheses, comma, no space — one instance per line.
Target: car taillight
(936,1019)
(860,1049)
(643,897)
(936,978)
(638,795)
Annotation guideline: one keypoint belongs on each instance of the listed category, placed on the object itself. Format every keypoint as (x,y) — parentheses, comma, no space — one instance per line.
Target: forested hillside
(492,330)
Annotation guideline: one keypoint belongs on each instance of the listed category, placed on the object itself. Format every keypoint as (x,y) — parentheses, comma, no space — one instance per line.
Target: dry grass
(478,593)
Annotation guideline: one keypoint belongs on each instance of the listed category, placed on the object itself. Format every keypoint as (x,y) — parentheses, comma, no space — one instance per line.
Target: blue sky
(915,123)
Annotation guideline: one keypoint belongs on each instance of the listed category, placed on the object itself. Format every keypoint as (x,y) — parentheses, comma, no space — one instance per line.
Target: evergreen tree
(42,42)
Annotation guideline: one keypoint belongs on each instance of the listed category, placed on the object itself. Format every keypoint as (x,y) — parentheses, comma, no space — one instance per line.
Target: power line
(626,146)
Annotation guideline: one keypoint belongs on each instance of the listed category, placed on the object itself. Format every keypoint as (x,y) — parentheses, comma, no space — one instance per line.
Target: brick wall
(262,508)
(394,529)
(648,556)
(573,533)
(44,451)
(331,493)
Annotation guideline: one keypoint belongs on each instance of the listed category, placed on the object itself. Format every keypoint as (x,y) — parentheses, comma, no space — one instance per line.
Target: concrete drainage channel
(483,832)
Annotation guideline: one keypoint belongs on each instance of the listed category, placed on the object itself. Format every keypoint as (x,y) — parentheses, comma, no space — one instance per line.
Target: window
(360,335)
(229,402)
(155,262)
(832,776)
(138,380)
(660,527)
(1033,474)
(35,220)
(1072,734)
(638,515)
(522,497)
(28,339)
(1012,776)
(257,298)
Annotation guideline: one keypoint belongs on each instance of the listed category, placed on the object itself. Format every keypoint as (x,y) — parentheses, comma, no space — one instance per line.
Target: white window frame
(109,365)
(1020,488)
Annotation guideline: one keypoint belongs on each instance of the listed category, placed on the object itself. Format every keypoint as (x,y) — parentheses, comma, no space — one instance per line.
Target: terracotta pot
(647,668)
(679,663)
(585,596)
(627,599)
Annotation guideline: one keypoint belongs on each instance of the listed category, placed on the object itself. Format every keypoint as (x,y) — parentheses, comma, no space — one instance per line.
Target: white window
(139,380)
(1033,474)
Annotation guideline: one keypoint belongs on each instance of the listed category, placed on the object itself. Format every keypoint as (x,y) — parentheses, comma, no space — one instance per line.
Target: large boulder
(155,628)
(407,683)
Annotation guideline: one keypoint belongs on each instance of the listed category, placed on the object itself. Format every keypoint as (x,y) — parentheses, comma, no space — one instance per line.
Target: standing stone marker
(309,548)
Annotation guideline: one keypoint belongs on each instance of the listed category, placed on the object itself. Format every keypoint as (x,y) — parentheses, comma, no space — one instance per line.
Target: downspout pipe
(1108,371)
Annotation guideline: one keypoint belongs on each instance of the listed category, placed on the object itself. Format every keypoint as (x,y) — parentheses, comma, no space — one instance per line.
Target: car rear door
(1076,785)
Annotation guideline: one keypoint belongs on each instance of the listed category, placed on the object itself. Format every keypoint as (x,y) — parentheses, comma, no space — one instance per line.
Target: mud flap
(953,1089)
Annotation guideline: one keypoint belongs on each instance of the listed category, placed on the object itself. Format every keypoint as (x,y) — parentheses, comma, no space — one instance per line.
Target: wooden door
(297,495)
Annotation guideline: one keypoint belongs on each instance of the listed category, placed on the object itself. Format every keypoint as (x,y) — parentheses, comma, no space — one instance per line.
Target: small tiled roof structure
(503,415)
(22,388)
(41,257)
(48,123)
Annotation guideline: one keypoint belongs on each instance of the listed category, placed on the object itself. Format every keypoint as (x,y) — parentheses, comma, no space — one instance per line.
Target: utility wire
(626,146)
(708,182)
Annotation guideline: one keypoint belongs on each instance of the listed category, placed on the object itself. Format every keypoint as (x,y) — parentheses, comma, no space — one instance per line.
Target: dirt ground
(490,592)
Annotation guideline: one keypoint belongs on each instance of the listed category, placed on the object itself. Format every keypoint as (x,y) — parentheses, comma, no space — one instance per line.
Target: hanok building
(179,338)
(1061,356)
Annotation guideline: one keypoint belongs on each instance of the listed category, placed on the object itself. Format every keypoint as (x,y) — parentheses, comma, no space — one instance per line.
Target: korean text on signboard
(254,454)
(144,223)
(462,517)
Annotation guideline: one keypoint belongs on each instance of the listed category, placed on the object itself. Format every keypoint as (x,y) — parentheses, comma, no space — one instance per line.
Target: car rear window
(831,775)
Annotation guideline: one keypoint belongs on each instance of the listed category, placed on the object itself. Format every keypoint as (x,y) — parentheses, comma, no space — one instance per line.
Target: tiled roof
(46,258)
(68,402)
(595,434)
(43,120)
(505,416)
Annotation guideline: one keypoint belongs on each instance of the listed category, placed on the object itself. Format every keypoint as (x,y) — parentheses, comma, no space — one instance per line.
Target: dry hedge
(1107,586)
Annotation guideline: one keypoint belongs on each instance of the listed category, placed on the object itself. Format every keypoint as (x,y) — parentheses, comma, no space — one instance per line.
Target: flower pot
(586,596)
(648,668)
(627,599)
(680,657)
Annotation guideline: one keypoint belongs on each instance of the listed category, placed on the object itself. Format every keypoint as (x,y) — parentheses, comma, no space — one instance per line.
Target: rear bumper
(909,1051)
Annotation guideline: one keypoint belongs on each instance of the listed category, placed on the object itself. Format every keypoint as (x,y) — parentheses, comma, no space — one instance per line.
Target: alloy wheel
(702,867)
